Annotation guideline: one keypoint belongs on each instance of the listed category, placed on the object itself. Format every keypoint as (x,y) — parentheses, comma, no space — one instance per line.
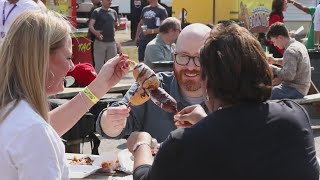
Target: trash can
(315,63)
(315,77)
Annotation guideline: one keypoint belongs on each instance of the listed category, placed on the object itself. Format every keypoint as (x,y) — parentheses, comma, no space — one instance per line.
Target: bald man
(118,121)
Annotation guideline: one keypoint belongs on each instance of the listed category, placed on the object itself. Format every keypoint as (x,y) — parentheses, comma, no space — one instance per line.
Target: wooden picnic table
(70,92)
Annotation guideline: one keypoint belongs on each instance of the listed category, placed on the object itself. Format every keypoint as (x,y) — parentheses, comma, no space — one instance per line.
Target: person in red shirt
(276,15)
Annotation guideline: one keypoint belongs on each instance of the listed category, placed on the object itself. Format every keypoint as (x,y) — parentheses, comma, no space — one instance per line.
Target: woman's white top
(30,148)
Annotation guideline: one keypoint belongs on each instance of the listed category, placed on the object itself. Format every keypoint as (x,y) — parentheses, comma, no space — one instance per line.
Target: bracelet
(90,95)
(84,102)
(152,31)
(293,2)
(138,144)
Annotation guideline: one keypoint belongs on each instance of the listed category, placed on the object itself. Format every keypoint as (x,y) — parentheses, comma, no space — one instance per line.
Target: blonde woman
(34,59)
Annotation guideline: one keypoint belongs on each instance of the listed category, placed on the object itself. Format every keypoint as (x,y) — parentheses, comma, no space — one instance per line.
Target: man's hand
(114,120)
(136,41)
(99,35)
(138,137)
(189,116)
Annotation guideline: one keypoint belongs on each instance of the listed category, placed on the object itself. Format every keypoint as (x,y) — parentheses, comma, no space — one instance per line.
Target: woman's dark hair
(277,8)
(234,65)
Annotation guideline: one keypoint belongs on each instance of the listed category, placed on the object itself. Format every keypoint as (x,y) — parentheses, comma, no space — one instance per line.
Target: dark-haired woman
(244,136)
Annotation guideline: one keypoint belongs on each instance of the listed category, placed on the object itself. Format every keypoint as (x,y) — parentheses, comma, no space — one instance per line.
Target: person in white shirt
(10,10)
(316,22)
(34,59)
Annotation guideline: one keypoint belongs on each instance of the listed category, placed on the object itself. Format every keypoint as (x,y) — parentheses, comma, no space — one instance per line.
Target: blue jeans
(141,48)
(285,92)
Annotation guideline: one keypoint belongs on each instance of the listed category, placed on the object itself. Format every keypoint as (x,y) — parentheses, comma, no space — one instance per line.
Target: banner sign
(255,14)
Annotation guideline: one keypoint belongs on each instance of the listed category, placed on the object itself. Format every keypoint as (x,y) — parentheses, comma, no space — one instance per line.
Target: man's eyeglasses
(183,59)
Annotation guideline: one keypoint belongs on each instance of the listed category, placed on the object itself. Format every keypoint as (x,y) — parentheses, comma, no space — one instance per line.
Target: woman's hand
(110,74)
(115,69)
(189,116)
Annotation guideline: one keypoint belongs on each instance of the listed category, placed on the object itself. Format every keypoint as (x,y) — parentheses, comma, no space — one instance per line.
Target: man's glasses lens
(184,60)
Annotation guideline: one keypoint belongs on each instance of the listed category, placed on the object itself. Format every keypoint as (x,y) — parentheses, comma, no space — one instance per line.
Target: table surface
(112,145)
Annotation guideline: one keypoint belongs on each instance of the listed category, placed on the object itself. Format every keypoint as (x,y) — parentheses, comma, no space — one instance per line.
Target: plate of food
(108,162)
(81,165)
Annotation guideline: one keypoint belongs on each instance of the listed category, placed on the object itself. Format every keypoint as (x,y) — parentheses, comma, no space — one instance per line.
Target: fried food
(139,97)
(149,87)
(81,161)
(161,98)
(146,77)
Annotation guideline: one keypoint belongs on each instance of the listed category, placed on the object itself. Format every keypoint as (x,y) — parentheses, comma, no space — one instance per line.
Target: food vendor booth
(81,44)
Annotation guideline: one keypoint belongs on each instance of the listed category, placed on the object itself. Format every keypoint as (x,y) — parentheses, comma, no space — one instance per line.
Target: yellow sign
(255,14)
(61,6)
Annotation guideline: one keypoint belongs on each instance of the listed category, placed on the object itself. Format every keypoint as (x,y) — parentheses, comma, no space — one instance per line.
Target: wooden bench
(69,93)
(309,99)
(313,98)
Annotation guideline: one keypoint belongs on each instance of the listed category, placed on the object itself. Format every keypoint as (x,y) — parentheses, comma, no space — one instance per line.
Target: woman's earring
(206,96)
(70,66)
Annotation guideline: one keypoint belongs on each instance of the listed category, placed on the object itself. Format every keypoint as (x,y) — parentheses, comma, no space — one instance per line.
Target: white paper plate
(81,171)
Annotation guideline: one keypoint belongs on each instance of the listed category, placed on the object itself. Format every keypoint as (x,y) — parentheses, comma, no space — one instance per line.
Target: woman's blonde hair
(24,59)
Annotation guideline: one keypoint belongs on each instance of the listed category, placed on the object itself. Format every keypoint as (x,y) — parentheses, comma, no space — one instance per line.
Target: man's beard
(189,85)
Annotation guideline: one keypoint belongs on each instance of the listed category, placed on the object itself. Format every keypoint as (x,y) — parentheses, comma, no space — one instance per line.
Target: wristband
(90,95)
(138,144)
(152,31)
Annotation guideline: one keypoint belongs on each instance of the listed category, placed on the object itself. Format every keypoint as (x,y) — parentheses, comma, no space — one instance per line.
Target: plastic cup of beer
(269,55)
(144,28)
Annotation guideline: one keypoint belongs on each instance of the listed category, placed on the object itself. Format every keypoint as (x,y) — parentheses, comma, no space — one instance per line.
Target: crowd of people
(221,81)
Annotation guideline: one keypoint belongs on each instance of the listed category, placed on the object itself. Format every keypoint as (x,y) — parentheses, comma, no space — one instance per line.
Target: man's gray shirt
(157,50)
(149,117)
